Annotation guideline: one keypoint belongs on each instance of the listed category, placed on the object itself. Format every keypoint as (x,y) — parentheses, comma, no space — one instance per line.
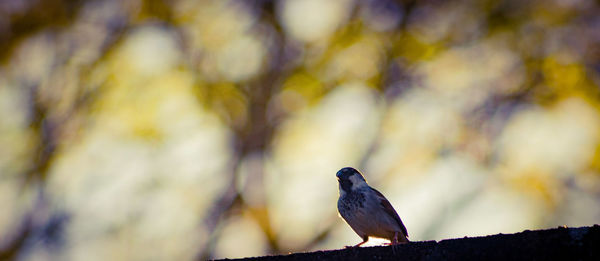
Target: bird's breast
(350,203)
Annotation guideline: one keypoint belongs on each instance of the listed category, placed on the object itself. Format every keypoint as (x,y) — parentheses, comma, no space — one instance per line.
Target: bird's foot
(357,245)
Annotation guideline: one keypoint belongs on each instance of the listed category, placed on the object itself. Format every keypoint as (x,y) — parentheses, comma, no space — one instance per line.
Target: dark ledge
(561,243)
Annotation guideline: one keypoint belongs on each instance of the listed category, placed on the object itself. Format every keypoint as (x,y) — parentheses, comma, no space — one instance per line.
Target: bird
(366,210)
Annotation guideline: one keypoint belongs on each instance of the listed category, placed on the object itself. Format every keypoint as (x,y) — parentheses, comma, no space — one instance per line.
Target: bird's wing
(390,210)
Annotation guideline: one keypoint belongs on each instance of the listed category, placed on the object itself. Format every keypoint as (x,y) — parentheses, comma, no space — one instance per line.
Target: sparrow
(366,210)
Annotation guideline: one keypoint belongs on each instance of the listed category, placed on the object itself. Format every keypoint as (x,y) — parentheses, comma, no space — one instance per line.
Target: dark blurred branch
(14,243)
(39,15)
(48,128)
(254,136)
(44,129)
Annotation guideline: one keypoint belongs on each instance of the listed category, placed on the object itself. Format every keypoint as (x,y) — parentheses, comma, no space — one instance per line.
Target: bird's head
(350,179)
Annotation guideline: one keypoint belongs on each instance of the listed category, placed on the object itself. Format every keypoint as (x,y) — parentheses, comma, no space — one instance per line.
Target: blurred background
(186,130)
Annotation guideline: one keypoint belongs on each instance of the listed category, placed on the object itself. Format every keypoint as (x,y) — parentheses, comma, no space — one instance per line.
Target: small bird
(366,210)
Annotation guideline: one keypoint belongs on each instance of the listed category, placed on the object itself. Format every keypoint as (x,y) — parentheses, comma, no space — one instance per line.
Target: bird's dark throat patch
(346,185)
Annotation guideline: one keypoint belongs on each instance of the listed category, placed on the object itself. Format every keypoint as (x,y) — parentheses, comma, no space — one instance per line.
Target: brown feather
(391,211)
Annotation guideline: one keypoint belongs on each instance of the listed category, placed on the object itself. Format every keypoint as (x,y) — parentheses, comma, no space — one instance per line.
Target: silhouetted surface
(551,244)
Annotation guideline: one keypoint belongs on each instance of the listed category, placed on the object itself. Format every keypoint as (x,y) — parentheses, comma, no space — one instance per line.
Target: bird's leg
(394,240)
(365,239)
